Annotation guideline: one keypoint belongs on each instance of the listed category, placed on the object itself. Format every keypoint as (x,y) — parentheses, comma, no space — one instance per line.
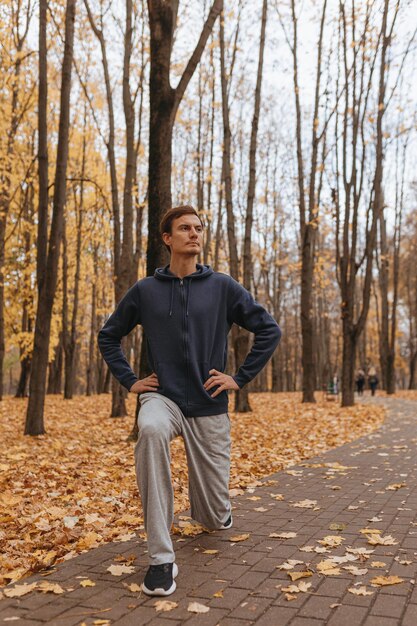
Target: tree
(357,86)
(164,102)
(34,415)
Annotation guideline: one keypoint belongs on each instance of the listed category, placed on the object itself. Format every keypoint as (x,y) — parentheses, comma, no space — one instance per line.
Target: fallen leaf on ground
(336,526)
(362,552)
(381,581)
(290,564)
(237,538)
(190,530)
(196,607)
(119,570)
(302,587)
(47,587)
(133,587)
(87,583)
(165,605)
(253,498)
(379,540)
(296,575)
(395,486)
(402,561)
(360,591)
(356,571)
(378,564)
(331,541)
(343,559)
(305,504)
(370,531)
(210,551)
(287,535)
(261,509)
(327,568)
(19,590)
(218,594)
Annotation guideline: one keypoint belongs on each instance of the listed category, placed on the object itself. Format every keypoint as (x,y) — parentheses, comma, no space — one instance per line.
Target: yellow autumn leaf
(237,538)
(47,587)
(296,575)
(378,540)
(165,605)
(381,581)
(87,583)
(119,570)
(327,568)
(19,590)
(331,541)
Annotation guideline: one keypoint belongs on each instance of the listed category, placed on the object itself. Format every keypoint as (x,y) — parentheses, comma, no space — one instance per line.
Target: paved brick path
(246,572)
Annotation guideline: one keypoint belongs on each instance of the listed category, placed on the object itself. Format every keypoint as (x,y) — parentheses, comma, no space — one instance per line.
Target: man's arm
(120,323)
(245,312)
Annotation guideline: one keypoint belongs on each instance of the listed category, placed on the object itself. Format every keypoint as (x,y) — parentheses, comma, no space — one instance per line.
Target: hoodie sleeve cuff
(129,382)
(239,381)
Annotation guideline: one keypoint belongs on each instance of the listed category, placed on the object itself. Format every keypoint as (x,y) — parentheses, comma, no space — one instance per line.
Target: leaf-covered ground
(74,488)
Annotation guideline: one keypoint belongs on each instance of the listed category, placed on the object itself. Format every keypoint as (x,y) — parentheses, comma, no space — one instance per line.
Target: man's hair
(165,225)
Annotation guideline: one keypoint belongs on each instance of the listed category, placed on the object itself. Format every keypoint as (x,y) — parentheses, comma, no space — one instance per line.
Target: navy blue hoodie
(186,323)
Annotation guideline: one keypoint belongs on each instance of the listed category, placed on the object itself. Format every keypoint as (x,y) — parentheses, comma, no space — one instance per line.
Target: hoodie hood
(164,273)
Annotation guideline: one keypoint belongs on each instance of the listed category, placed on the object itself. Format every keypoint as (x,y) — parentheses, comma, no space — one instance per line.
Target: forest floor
(331,541)
(74,488)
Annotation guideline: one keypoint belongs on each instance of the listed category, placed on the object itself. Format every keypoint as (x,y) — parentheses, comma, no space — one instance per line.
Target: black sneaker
(228,523)
(159,580)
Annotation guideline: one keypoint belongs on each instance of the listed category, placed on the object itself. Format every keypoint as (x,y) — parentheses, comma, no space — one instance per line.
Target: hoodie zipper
(184,322)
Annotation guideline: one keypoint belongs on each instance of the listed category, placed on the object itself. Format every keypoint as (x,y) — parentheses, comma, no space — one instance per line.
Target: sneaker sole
(159,591)
(227,527)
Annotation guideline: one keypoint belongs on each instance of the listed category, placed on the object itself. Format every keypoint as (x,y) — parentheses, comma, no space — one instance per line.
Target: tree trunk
(164,103)
(92,386)
(56,367)
(34,415)
(348,365)
(27,303)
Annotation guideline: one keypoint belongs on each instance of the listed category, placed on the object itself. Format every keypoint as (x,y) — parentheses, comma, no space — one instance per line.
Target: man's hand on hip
(150,383)
(223,380)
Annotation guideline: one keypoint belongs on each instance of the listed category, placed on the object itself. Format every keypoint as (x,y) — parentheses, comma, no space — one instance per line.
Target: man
(186,311)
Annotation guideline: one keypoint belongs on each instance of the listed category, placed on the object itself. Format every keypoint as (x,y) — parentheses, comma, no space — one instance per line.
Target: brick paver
(370,483)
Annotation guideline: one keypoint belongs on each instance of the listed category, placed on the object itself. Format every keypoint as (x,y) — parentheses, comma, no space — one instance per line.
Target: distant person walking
(186,311)
(360,381)
(372,379)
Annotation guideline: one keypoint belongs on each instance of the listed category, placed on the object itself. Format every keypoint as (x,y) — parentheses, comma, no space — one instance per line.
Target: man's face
(186,237)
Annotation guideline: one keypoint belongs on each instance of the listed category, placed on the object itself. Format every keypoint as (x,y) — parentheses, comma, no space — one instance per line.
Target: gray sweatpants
(207,445)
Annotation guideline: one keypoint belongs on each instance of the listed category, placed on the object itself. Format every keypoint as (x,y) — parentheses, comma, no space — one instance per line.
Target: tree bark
(164,103)
(34,416)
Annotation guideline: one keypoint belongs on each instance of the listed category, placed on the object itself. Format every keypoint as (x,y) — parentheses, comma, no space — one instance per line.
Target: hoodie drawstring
(172,298)
(188,296)
(171,305)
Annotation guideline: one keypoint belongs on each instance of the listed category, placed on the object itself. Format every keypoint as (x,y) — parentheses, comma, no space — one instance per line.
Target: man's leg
(159,422)
(207,444)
